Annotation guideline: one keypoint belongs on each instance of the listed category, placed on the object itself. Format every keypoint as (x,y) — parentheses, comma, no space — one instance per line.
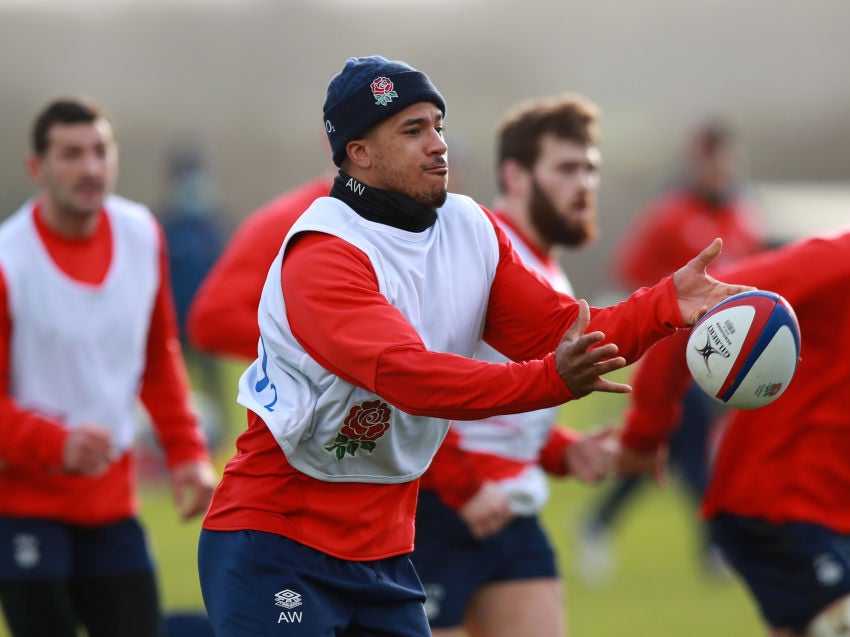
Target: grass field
(657,587)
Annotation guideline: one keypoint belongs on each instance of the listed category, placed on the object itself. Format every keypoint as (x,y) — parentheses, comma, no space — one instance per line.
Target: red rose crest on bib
(382,90)
(365,423)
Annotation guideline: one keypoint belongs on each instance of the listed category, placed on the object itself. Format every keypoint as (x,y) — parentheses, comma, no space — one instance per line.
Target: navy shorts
(34,549)
(453,565)
(257,583)
(794,570)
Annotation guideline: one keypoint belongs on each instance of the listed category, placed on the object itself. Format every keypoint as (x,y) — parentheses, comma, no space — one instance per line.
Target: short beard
(432,199)
(553,227)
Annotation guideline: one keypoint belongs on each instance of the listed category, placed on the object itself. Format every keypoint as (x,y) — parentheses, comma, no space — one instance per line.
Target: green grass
(657,587)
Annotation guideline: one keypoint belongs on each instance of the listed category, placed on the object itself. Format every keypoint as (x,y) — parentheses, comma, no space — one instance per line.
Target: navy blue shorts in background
(453,565)
(794,570)
(33,549)
(257,583)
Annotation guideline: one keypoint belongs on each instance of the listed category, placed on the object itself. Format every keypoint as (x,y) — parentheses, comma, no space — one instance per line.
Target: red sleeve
(553,453)
(26,439)
(526,317)
(343,321)
(795,271)
(165,387)
(223,315)
(452,474)
(659,383)
(647,253)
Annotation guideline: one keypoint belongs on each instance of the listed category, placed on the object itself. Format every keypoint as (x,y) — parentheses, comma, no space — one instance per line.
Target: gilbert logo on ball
(744,351)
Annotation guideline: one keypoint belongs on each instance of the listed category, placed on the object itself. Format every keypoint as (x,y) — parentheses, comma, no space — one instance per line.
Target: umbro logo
(828,569)
(287,598)
(26,550)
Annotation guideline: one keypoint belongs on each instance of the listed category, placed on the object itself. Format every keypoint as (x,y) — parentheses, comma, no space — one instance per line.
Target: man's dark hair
(568,117)
(65,110)
(713,135)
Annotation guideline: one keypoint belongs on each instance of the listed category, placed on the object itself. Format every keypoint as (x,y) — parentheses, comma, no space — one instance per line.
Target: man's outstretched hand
(581,367)
(696,290)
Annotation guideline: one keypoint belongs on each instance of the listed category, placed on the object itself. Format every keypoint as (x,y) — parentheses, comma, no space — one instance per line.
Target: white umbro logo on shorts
(26,550)
(287,598)
(828,569)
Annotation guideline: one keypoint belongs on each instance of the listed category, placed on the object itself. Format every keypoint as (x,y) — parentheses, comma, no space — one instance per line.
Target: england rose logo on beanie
(382,90)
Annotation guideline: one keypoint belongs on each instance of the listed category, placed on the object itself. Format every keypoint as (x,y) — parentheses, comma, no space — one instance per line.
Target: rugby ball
(744,351)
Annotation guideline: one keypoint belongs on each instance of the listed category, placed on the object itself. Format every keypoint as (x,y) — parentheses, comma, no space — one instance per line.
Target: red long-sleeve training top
(786,461)
(30,442)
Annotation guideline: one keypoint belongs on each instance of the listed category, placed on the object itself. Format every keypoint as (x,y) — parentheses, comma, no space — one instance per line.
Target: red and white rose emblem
(382,90)
(365,423)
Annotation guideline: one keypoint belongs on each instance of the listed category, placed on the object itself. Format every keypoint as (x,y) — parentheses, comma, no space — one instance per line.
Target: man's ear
(359,153)
(33,165)
(515,179)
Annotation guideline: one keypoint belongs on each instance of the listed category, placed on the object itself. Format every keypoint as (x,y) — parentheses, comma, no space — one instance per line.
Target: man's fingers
(606,433)
(88,450)
(601,353)
(580,324)
(709,253)
(581,358)
(609,365)
(612,388)
(190,502)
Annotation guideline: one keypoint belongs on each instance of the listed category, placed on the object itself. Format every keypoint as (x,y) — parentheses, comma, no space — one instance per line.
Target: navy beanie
(367,91)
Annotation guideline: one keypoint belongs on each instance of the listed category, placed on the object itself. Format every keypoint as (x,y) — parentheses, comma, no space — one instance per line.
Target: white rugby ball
(744,351)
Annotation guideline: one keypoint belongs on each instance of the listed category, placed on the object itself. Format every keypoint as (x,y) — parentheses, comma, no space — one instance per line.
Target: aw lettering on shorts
(289,600)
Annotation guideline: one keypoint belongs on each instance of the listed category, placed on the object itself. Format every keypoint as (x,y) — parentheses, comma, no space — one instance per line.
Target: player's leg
(114,586)
(451,564)
(34,608)
(794,570)
(394,605)
(832,621)
(689,458)
(524,597)
(447,632)
(595,557)
(125,605)
(518,608)
(611,506)
(688,453)
(35,564)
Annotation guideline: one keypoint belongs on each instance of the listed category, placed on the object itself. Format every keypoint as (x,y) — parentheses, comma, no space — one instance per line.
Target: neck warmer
(383,206)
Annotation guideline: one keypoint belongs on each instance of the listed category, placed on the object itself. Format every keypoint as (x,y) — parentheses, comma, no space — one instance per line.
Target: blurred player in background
(87,327)
(222,319)
(486,564)
(196,229)
(708,201)
(777,499)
